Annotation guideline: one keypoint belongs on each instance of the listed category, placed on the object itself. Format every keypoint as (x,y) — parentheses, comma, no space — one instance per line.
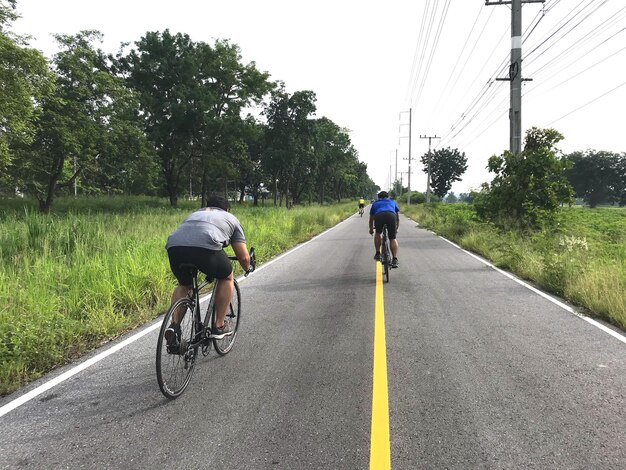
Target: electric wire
(445,88)
(433,49)
(485,99)
(563,26)
(572,77)
(583,41)
(586,104)
(417,49)
(485,108)
(470,56)
(424,46)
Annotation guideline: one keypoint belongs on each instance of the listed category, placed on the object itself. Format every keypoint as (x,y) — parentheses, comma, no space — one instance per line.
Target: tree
(451,198)
(125,163)
(25,79)
(334,158)
(596,176)
(529,186)
(191,99)
(467,197)
(289,158)
(446,166)
(7,13)
(78,122)
(251,174)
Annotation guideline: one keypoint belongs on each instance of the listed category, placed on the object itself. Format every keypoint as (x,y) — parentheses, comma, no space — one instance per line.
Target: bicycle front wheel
(233,315)
(175,363)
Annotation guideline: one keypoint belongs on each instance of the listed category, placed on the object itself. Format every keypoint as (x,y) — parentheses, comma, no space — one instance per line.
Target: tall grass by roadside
(95,268)
(581,258)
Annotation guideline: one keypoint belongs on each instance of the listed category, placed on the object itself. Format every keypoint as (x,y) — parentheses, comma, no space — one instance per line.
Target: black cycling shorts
(361,206)
(214,263)
(388,218)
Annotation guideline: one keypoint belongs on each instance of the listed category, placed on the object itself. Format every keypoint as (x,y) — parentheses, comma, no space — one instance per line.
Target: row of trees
(594,177)
(163,117)
(528,187)
(598,177)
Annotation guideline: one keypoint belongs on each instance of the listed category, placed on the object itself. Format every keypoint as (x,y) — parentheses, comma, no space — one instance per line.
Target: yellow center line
(380,455)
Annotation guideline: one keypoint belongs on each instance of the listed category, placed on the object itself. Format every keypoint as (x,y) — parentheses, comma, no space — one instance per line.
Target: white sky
(362,60)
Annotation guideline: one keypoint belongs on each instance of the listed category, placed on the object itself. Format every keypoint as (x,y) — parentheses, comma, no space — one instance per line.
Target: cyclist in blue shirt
(385,211)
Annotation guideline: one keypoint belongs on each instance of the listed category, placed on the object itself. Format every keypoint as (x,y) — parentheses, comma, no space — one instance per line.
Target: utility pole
(401,180)
(408,197)
(430,138)
(396,164)
(515,72)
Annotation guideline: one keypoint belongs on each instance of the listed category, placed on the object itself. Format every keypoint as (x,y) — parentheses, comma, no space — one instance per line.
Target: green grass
(95,268)
(581,258)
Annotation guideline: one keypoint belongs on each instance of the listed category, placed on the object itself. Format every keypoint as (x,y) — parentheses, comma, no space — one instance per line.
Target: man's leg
(223,294)
(394,248)
(179,293)
(172,334)
(377,242)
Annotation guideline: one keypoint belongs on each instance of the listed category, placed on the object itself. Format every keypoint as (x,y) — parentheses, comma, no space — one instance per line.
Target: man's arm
(371,223)
(241,252)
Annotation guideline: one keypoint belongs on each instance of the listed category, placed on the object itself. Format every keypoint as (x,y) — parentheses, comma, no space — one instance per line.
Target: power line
(581,72)
(433,49)
(445,88)
(582,41)
(416,53)
(568,31)
(587,104)
(424,46)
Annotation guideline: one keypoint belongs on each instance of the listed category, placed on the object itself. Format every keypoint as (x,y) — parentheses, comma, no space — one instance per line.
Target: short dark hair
(383,194)
(218,201)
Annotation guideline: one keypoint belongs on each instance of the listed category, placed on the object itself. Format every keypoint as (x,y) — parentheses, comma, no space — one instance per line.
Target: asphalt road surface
(481,371)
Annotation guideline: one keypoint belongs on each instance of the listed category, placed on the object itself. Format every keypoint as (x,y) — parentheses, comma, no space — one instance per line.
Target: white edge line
(566,307)
(75,370)
(97,358)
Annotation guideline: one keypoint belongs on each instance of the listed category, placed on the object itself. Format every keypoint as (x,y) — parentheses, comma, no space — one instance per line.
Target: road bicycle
(175,363)
(385,254)
(361,211)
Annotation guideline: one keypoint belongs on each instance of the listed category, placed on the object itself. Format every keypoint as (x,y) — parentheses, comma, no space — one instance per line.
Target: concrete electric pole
(408,197)
(430,138)
(515,72)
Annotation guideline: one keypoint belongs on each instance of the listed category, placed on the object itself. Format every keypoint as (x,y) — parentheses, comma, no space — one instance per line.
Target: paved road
(482,373)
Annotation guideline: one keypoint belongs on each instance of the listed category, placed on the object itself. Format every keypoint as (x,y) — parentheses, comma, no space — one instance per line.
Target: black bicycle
(175,363)
(385,254)
(361,211)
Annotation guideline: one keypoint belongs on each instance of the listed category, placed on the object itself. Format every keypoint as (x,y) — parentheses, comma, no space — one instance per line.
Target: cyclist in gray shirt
(200,240)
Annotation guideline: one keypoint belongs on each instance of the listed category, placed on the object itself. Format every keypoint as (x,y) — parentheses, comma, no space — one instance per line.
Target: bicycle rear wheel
(233,315)
(386,259)
(174,366)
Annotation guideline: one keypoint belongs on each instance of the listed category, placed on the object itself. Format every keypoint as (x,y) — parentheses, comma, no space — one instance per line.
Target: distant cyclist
(385,211)
(361,206)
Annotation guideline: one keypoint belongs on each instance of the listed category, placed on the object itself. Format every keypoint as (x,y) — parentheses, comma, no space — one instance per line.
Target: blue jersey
(384,205)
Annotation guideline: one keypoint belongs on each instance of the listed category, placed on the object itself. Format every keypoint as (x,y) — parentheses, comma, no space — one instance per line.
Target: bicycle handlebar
(252,261)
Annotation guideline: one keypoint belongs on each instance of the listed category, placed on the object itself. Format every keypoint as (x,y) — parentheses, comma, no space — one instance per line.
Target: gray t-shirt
(211,228)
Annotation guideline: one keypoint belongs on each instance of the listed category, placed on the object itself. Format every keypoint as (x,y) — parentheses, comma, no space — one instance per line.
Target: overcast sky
(370,62)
